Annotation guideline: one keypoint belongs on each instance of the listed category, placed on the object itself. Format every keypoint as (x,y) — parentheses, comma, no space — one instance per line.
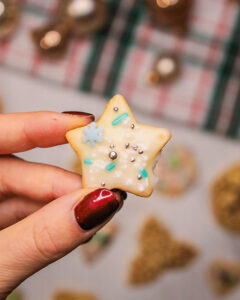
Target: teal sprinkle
(144,173)
(88,161)
(119,119)
(111,166)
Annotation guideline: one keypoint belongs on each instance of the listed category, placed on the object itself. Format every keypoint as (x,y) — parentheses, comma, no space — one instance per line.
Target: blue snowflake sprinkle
(93,134)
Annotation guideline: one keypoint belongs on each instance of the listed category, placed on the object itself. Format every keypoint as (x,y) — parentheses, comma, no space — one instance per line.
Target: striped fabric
(117,59)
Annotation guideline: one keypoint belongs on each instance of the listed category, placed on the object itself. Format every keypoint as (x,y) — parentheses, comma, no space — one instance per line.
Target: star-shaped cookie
(117,151)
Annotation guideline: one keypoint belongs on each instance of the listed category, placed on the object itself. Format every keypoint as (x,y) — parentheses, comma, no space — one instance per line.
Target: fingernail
(79,114)
(123,194)
(97,207)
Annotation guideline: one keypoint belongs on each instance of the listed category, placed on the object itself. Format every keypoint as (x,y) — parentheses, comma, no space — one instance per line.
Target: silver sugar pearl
(135,147)
(139,177)
(116,109)
(140,152)
(113,155)
(132,126)
(127,145)
(132,159)
(111,146)
(103,184)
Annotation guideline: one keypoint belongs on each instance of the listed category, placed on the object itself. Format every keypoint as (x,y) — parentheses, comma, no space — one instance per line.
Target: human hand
(44,213)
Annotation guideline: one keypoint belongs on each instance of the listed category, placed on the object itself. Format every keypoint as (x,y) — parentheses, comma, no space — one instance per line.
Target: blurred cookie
(158,252)
(166,69)
(175,170)
(67,295)
(9,17)
(224,276)
(84,16)
(226,198)
(15,295)
(99,242)
(174,17)
(52,39)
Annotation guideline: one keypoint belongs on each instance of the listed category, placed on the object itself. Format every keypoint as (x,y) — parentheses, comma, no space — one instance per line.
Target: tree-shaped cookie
(158,252)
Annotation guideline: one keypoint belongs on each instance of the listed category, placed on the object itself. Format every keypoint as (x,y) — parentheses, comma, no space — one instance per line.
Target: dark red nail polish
(79,114)
(123,194)
(96,207)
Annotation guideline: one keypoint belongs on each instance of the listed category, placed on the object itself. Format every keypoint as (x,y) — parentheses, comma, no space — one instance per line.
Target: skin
(37,224)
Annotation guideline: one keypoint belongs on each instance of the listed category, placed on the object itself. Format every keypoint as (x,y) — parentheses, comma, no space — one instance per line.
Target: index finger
(23,131)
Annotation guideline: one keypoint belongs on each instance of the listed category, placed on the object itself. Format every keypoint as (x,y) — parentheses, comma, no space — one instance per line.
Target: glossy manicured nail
(123,194)
(96,207)
(80,114)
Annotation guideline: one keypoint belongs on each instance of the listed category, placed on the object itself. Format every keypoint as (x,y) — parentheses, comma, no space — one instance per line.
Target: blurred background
(178,65)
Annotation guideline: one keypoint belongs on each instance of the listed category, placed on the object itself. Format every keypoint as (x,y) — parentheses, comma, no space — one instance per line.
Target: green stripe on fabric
(124,43)
(35,10)
(224,73)
(234,126)
(97,46)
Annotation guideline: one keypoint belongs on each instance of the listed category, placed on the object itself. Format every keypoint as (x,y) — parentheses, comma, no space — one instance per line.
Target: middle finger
(35,181)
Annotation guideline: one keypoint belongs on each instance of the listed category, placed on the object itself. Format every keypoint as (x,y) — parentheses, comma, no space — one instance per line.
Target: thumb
(52,232)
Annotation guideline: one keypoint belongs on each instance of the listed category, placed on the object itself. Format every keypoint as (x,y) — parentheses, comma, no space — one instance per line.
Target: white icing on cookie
(118,149)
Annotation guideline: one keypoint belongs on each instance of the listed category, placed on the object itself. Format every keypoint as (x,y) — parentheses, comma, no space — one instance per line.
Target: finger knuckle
(44,243)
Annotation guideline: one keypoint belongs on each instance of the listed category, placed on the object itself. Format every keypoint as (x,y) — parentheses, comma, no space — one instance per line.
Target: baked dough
(117,151)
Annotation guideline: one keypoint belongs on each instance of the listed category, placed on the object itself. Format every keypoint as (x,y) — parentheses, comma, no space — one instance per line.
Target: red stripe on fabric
(224,28)
(54,7)
(72,66)
(136,63)
(36,62)
(4,47)
(198,107)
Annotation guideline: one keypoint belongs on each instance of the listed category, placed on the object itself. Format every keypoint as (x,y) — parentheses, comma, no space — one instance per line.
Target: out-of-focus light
(51,39)
(165,69)
(166,66)
(81,8)
(2,8)
(166,3)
